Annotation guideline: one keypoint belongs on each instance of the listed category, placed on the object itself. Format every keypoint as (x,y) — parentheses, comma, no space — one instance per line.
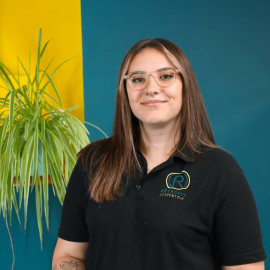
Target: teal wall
(228,45)
(27,248)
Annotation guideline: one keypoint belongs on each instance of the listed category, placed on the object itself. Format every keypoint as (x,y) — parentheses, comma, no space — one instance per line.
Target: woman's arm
(250,266)
(69,255)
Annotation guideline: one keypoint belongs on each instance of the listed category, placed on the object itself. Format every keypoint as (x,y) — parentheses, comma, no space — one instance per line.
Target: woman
(158,194)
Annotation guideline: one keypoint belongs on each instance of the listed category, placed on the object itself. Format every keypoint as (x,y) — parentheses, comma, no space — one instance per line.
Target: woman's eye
(166,77)
(138,80)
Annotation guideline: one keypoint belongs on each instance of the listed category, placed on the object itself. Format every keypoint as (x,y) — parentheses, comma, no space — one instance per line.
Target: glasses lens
(165,77)
(137,81)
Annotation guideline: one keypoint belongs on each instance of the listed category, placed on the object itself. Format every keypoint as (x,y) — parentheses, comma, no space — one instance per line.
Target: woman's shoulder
(89,157)
(93,150)
(95,146)
(218,157)
(221,173)
(221,165)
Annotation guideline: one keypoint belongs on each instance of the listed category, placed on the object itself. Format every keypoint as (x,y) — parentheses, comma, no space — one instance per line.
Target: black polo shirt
(182,215)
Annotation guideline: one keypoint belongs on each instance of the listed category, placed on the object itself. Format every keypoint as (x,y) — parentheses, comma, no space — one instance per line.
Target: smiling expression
(154,105)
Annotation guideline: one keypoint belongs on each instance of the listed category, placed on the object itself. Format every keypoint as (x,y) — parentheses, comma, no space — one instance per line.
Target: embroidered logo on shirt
(178,181)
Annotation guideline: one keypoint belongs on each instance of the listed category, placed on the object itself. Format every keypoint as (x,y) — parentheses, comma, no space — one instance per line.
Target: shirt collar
(185,154)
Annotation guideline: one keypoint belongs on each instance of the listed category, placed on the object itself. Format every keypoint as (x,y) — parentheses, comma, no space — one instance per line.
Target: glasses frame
(154,74)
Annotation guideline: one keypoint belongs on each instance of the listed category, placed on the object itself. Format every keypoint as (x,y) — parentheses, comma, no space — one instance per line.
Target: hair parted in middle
(111,160)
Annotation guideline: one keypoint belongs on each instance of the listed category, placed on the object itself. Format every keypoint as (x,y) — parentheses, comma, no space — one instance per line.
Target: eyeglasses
(163,77)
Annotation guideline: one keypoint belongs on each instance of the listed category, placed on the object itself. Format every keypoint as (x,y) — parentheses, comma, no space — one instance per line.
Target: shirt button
(138,186)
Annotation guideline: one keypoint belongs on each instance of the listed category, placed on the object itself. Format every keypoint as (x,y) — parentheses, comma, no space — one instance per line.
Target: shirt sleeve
(73,224)
(236,228)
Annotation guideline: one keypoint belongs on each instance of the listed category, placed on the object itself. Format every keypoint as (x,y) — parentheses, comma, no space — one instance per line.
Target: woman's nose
(151,86)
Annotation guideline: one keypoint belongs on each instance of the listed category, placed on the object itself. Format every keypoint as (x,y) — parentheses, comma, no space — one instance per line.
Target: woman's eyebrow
(141,71)
(161,69)
(136,72)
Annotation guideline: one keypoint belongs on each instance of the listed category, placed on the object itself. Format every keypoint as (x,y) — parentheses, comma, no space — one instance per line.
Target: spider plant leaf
(81,129)
(28,116)
(15,205)
(69,153)
(53,85)
(97,128)
(5,100)
(35,177)
(71,156)
(35,155)
(9,192)
(6,174)
(15,152)
(55,172)
(3,200)
(71,108)
(50,97)
(54,178)
(62,136)
(23,93)
(29,72)
(61,65)
(25,162)
(59,145)
(38,59)
(66,175)
(38,109)
(17,160)
(57,181)
(2,68)
(43,87)
(18,74)
(82,134)
(2,119)
(44,48)
(6,82)
(38,208)
(55,150)
(4,132)
(11,108)
(59,113)
(80,125)
(46,146)
(46,69)
(8,156)
(3,193)
(40,192)
(19,104)
(27,182)
(3,139)
(4,88)
(45,173)
(45,185)
(26,73)
(73,144)
(26,130)
(30,129)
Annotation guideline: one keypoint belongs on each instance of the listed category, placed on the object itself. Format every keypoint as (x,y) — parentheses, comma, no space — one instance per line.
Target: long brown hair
(108,161)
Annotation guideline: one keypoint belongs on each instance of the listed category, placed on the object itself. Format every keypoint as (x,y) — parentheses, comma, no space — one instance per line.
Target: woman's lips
(153,103)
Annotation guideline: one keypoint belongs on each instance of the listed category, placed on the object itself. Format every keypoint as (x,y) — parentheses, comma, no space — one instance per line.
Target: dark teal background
(228,44)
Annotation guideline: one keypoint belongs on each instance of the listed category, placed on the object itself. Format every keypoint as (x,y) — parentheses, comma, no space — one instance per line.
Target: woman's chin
(157,123)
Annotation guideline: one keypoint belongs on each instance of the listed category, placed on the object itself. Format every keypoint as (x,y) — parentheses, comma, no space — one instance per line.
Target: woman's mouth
(153,103)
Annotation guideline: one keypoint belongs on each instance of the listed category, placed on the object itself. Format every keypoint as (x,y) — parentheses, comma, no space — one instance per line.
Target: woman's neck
(158,143)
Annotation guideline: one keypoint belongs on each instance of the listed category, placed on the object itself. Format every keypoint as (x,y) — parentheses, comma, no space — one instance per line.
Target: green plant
(31,132)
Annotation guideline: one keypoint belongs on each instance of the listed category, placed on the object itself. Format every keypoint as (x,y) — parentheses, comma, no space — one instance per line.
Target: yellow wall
(60,21)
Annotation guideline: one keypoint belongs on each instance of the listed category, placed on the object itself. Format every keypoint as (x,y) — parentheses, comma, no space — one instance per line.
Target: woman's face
(154,105)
